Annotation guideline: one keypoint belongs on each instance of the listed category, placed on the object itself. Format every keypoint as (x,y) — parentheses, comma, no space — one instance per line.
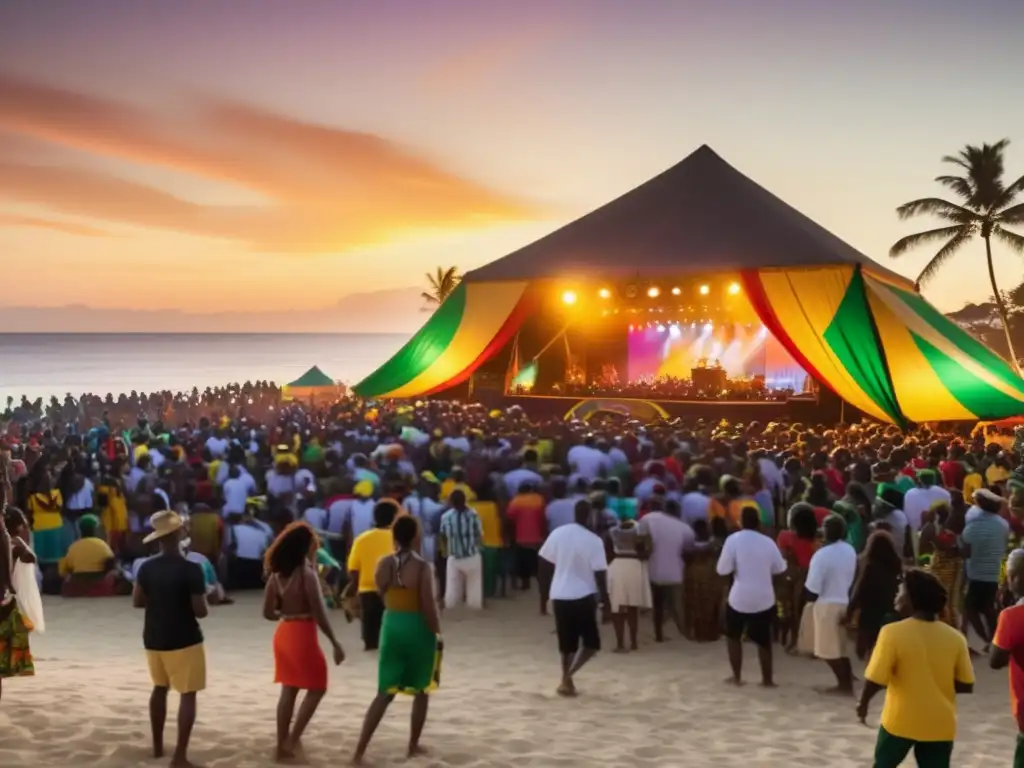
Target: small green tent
(314,386)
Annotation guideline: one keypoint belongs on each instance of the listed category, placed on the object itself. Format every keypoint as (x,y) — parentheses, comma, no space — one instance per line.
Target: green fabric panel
(963,341)
(852,337)
(981,399)
(420,351)
(314,377)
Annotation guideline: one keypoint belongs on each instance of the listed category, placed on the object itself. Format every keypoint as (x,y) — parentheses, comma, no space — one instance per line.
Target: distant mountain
(392,311)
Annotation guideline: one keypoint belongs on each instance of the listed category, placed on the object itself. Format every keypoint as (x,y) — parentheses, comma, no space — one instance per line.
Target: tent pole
(555,338)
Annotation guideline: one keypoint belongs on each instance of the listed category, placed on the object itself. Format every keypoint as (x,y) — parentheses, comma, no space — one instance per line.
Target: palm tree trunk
(1001,306)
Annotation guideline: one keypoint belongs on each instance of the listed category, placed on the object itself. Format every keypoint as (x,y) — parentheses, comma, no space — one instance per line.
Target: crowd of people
(825,541)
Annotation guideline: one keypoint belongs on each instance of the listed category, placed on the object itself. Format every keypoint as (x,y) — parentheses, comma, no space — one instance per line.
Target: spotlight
(676,291)
(708,327)
(569,297)
(604,293)
(631,328)
(705,290)
(734,288)
(674,331)
(693,325)
(653,292)
(661,328)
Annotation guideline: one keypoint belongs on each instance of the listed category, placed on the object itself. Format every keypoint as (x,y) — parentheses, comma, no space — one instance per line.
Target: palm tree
(986,207)
(442,283)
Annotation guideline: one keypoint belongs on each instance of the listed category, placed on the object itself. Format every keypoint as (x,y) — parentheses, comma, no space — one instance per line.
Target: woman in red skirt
(293,598)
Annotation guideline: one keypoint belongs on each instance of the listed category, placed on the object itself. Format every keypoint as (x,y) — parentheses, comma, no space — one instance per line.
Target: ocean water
(44,365)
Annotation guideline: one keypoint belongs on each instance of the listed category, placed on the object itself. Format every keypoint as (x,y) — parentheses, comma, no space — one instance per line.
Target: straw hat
(164,524)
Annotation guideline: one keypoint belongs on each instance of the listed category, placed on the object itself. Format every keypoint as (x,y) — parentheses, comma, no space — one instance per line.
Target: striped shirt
(986,535)
(463,532)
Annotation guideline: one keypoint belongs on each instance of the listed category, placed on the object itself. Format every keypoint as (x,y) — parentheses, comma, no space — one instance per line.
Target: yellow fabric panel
(805,301)
(919,390)
(922,328)
(488,306)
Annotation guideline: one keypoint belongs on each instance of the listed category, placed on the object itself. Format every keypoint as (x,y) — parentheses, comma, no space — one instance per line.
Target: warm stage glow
(705,290)
(604,293)
(569,297)
(653,292)
(676,291)
(734,288)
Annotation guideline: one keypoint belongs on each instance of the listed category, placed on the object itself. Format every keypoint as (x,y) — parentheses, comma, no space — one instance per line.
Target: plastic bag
(30,603)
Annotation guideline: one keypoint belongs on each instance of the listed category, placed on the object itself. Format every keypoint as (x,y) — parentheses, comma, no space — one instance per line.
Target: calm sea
(41,365)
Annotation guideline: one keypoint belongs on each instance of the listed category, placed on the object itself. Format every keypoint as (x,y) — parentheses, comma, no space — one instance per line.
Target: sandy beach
(663,706)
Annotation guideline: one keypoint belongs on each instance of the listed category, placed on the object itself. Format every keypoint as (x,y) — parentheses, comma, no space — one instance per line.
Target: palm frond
(1012,239)
(962,186)
(934,206)
(429,297)
(940,258)
(1009,194)
(1012,215)
(904,244)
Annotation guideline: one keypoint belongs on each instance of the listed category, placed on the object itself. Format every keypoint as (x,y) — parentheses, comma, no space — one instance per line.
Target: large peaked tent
(314,386)
(857,327)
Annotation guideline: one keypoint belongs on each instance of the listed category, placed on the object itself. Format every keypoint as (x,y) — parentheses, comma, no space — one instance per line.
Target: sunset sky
(241,156)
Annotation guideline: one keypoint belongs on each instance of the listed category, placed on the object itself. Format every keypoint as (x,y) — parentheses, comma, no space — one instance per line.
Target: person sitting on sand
(753,560)
(293,599)
(172,592)
(410,636)
(922,663)
(573,572)
(89,569)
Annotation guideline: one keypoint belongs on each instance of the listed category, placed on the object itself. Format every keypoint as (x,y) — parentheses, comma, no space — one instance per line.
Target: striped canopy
(856,327)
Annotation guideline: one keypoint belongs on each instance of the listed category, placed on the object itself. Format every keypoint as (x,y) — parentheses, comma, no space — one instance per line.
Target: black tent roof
(700,216)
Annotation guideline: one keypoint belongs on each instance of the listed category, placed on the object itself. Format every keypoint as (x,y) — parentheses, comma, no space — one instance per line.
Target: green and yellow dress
(409,659)
(15,654)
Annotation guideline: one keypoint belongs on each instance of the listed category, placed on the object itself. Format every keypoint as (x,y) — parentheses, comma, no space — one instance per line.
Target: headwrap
(363,488)
(88,521)
(430,477)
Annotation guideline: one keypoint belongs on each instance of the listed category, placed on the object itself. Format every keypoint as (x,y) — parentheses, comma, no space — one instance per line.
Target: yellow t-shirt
(972,483)
(367,550)
(115,514)
(490,521)
(918,661)
(86,556)
(450,485)
(213,469)
(996,474)
(45,509)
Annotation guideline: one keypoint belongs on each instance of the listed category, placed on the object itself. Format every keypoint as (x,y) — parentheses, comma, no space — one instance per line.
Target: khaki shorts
(183,670)
(829,636)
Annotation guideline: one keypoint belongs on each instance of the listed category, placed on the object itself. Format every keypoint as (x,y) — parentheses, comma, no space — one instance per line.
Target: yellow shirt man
(490,522)
(972,483)
(367,550)
(918,662)
(449,485)
(90,555)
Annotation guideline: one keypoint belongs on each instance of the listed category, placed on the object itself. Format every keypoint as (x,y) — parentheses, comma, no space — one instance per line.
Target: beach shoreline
(663,706)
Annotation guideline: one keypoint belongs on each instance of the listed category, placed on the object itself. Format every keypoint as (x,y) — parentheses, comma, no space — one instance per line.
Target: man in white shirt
(587,460)
(217,445)
(830,579)
(753,560)
(236,491)
(526,473)
(573,572)
(917,501)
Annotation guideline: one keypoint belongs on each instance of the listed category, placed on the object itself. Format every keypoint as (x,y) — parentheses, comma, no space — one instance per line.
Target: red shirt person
(1008,646)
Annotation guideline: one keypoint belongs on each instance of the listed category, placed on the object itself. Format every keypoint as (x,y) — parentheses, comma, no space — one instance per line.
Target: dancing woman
(408,661)
(294,599)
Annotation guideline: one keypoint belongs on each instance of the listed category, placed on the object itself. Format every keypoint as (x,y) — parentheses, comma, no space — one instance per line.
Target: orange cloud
(327,189)
(64,227)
